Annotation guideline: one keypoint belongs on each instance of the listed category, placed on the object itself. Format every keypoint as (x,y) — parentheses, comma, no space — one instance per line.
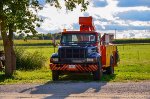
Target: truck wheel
(55,75)
(97,75)
(110,69)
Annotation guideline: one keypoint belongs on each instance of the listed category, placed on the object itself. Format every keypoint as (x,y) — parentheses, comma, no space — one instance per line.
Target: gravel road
(79,90)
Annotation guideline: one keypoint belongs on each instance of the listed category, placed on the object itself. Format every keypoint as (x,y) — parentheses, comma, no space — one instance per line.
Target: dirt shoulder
(77,90)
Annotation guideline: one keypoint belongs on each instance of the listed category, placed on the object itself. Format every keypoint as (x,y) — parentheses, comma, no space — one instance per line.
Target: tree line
(48,36)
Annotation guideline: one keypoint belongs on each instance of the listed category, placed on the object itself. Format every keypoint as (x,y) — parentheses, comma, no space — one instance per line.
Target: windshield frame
(77,42)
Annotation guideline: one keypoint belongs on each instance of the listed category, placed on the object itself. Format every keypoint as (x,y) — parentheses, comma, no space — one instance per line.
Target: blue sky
(133,3)
(107,14)
(135,15)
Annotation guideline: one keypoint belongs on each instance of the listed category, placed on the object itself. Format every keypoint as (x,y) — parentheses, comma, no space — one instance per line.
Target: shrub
(29,61)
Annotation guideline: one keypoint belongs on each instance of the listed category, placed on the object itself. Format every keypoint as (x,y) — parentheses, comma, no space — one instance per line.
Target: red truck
(84,51)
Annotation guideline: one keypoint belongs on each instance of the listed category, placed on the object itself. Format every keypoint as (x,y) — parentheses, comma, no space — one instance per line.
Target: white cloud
(105,17)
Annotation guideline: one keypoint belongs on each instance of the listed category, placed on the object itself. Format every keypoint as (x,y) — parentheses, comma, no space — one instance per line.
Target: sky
(131,18)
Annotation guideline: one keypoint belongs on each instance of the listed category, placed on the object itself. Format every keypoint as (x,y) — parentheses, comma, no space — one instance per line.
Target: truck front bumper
(74,67)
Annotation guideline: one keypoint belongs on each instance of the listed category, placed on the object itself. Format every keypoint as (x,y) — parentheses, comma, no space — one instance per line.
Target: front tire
(55,75)
(97,75)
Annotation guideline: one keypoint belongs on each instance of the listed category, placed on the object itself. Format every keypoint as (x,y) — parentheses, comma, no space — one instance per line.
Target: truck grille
(72,52)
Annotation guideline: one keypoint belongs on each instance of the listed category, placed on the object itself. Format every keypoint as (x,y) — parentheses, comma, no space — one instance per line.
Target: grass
(134,65)
(37,76)
(32,42)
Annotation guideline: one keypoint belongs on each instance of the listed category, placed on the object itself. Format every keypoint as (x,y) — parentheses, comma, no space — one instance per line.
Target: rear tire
(55,75)
(97,75)
(110,69)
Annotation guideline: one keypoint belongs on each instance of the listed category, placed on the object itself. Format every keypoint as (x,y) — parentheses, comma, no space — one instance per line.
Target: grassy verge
(134,65)
(21,77)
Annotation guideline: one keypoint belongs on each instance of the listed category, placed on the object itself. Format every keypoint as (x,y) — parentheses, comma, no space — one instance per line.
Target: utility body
(84,51)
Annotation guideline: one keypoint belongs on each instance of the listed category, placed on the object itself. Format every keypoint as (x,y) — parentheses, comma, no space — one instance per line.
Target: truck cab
(83,51)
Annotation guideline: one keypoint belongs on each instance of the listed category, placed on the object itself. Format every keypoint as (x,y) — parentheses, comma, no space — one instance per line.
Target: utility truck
(84,51)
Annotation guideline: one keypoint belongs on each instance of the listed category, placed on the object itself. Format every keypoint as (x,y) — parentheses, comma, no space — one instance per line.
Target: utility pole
(115,33)
(0,26)
(43,36)
(54,42)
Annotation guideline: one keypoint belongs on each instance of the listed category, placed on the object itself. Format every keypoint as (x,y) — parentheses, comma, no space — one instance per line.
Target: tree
(21,36)
(20,16)
(15,15)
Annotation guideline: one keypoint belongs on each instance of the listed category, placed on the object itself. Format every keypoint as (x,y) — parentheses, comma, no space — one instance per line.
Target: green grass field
(31,42)
(134,65)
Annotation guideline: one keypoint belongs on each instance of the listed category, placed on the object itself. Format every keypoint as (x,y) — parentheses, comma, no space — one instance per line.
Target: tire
(97,75)
(110,69)
(55,75)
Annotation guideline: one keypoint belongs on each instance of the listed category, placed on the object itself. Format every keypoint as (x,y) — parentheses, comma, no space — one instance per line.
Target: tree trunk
(13,56)
(10,59)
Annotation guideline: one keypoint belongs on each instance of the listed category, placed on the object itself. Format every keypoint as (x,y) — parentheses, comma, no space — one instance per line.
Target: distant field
(127,41)
(32,42)
(134,65)
(49,42)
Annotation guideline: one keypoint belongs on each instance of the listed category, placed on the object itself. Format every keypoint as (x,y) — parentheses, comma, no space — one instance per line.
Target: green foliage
(17,15)
(70,4)
(20,15)
(29,61)
(127,41)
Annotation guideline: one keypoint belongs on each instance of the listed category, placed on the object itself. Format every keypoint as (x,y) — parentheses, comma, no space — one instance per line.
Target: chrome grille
(70,52)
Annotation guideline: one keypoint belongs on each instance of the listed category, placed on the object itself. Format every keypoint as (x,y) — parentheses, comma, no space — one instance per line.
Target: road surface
(78,90)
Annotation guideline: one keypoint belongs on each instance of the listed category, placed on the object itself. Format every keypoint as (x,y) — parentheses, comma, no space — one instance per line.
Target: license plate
(72,66)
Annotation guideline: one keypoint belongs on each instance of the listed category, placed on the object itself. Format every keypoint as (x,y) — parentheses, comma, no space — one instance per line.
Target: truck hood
(90,49)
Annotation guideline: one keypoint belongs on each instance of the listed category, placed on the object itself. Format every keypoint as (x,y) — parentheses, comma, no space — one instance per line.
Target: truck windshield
(78,38)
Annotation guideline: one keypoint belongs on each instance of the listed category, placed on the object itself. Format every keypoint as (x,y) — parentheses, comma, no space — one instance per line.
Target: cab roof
(78,32)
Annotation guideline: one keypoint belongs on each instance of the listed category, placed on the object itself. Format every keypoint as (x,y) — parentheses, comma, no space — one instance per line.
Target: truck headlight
(54,60)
